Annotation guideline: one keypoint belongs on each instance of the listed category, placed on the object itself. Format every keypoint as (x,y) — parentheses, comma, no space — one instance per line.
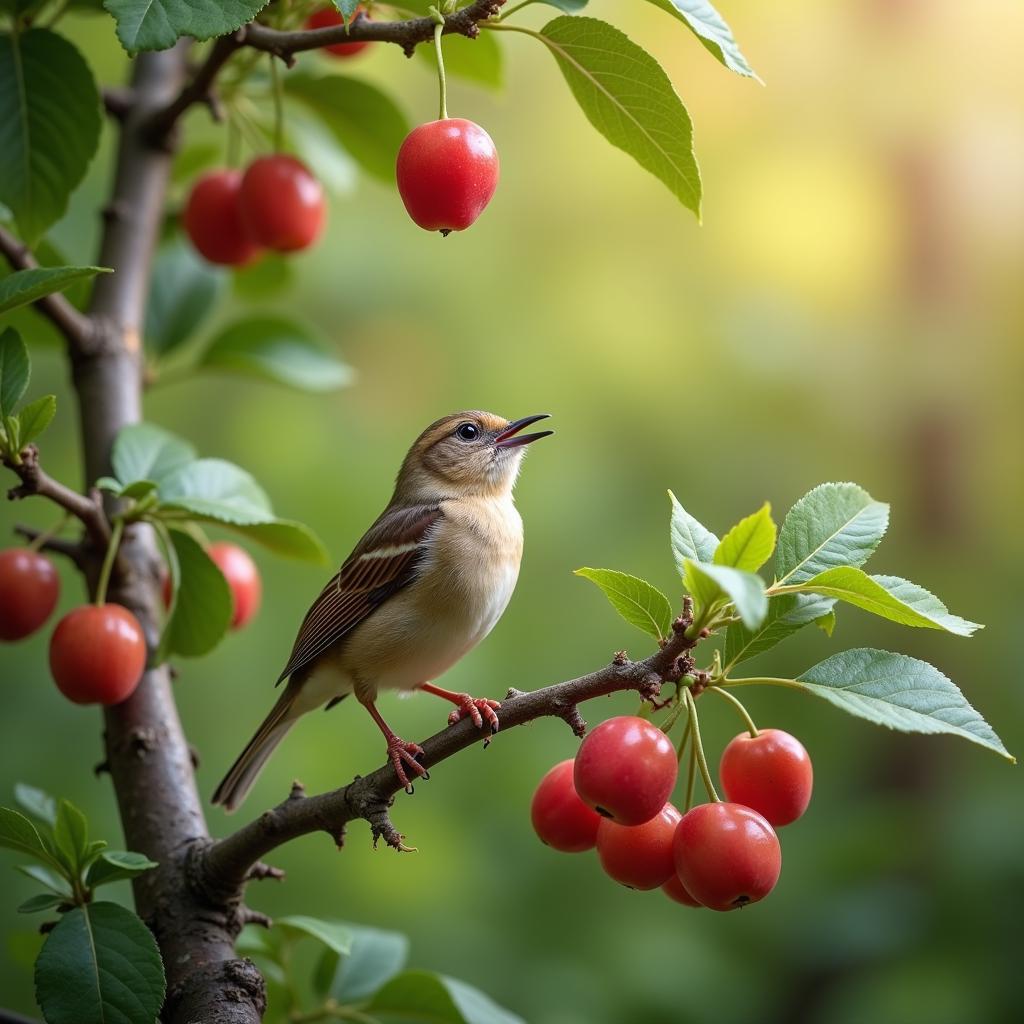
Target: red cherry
(726,855)
(213,220)
(770,772)
(98,654)
(328,17)
(626,769)
(243,578)
(639,856)
(447,172)
(560,818)
(29,588)
(675,890)
(282,204)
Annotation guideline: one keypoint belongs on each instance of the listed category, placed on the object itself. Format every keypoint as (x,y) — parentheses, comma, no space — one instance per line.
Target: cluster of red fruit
(231,216)
(98,651)
(721,855)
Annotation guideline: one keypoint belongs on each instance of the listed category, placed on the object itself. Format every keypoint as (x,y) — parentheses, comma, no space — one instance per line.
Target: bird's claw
(402,753)
(479,709)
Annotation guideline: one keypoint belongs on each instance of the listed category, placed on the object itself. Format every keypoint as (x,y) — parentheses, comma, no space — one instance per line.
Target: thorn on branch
(99,769)
(193,756)
(260,871)
(298,791)
(620,658)
(572,718)
(249,916)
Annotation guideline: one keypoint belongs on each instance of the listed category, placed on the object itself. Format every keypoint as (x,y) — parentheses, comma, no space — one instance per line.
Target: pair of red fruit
(720,855)
(231,217)
(98,652)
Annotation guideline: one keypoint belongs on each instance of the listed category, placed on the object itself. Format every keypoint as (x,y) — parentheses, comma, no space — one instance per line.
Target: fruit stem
(49,534)
(441,79)
(517,7)
(683,740)
(275,85)
(691,778)
(108,562)
(699,748)
(233,153)
(738,705)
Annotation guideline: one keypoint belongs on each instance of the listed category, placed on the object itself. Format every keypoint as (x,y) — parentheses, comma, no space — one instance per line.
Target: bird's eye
(467,431)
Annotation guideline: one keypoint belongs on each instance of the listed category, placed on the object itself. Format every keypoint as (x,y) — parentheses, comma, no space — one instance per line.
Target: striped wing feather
(382,563)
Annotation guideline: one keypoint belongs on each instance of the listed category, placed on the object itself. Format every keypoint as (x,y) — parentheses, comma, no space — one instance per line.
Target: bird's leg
(480,709)
(400,752)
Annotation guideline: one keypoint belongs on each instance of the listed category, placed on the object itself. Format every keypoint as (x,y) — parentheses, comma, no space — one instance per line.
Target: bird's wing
(382,563)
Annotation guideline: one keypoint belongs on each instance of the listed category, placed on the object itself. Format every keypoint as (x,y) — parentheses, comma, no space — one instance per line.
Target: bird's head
(467,454)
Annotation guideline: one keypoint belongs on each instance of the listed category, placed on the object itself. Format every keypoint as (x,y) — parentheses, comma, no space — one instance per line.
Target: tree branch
(36,482)
(75,326)
(220,869)
(285,44)
(72,549)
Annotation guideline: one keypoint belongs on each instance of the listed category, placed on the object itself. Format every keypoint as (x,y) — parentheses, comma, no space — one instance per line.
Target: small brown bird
(424,586)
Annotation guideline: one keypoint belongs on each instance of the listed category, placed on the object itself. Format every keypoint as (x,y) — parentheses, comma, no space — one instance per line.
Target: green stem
(233,155)
(517,7)
(37,544)
(683,740)
(108,562)
(738,705)
(441,79)
(691,777)
(275,85)
(699,748)
(763,681)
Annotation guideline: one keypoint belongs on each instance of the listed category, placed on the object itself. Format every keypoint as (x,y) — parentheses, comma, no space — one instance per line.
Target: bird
(425,584)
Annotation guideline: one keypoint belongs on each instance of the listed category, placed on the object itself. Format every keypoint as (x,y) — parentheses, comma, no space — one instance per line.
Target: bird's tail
(243,773)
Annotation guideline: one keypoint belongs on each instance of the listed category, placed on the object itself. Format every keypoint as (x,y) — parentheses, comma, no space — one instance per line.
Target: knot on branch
(260,871)
(572,718)
(213,991)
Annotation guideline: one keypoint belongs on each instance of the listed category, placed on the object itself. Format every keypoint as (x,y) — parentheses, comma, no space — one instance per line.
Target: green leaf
(203,606)
(25,286)
(143,451)
(569,6)
(38,803)
(477,60)
(35,417)
(711,583)
(15,370)
(100,965)
(634,599)
(55,883)
(376,957)
(710,28)
(787,614)
(899,692)
(42,901)
(750,543)
(333,934)
(277,350)
(629,99)
(424,996)
(71,833)
(364,120)
(18,833)
(49,127)
(827,622)
(832,525)
(159,24)
(218,488)
(183,291)
(689,539)
(890,597)
(271,274)
(115,865)
(347,8)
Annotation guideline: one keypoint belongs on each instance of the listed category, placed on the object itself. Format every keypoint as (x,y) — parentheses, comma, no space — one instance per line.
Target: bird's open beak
(511,438)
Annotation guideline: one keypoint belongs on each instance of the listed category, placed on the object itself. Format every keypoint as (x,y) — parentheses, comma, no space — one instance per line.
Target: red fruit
(243,578)
(639,856)
(770,772)
(213,220)
(675,890)
(98,654)
(29,588)
(560,818)
(328,17)
(447,172)
(282,204)
(626,769)
(726,855)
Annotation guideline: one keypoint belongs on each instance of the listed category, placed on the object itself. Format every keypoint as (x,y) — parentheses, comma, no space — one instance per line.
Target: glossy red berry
(243,578)
(328,17)
(626,769)
(29,589)
(98,654)
(213,220)
(726,855)
(675,890)
(639,856)
(282,204)
(447,172)
(560,818)
(770,772)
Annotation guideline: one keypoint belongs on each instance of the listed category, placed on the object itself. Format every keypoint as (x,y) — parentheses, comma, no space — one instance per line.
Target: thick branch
(77,552)
(35,481)
(221,868)
(75,326)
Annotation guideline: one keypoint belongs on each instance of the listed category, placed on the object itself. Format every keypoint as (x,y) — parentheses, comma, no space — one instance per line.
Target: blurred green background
(850,309)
